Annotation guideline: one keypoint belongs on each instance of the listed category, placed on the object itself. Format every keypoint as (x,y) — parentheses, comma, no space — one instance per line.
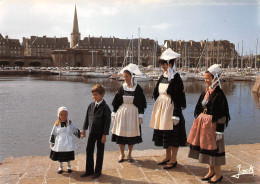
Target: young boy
(97,121)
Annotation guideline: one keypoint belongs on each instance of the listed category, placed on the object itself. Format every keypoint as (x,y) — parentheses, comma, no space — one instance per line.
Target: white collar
(129,89)
(166,75)
(98,103)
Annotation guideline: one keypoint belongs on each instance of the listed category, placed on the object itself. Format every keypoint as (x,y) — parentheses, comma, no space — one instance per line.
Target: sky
(234,20)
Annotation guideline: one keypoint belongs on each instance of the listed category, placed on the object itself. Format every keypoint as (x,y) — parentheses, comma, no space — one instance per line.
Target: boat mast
(211,54)
(237,54)
(132,50)
(207,60)
(201,55)
(155,53)
(232,59)
(138,46)
(126,55)
(188,59)
(242,57)
(185,56)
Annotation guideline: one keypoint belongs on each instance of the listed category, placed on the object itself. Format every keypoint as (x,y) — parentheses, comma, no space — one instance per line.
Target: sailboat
(138,78)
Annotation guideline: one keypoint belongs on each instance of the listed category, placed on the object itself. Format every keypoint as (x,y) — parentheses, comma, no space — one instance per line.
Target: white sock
(60,165)
(69,166)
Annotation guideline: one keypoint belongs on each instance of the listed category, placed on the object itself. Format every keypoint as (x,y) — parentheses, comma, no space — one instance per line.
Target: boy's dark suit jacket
(98,121)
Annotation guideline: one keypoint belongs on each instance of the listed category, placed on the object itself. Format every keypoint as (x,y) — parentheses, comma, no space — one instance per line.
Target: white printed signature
(244,171)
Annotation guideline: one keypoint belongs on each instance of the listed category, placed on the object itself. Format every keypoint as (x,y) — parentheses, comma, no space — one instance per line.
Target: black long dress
(176,137)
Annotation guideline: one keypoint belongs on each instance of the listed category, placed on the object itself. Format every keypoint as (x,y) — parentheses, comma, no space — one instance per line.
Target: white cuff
(176,118)
(141,116)
(219,133)
(113,114)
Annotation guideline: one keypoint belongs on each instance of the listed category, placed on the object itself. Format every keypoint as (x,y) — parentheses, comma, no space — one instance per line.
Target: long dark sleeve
(156,89)
(118,100)
(107,120)
(175,90)
(198,108)
(221,112)
(86,122)
(140,100)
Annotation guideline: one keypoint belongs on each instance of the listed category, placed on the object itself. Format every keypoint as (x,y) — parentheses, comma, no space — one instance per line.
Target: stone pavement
(41,170)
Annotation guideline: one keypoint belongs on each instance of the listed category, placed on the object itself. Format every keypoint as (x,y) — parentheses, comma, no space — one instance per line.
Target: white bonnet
(215,70)
(133,68)
(62,108)
(169,54)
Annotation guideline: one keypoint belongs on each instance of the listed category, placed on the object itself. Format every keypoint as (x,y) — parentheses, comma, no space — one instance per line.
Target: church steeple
(75,35)
(75,22)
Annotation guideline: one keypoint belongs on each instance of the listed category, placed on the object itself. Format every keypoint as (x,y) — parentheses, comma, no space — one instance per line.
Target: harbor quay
(242,166)
(149,74)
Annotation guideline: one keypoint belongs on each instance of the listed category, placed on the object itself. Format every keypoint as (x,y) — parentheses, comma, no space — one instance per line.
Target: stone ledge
(40,169)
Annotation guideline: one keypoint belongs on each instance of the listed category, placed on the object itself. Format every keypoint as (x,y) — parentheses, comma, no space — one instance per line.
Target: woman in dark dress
(206,136)
(167,119)
(129,104)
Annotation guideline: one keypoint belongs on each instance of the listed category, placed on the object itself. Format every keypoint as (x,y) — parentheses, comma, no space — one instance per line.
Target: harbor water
(28,110)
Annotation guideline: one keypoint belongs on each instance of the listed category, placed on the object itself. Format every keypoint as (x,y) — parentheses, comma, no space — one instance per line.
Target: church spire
(75,22)
(75,35)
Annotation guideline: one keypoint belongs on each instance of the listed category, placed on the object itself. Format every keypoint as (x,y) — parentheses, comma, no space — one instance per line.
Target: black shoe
(208,178)
(59,171)
(69,171)
(172,165)
(86,174)
(96,175)
(122,160)
(163,162)
(218,180)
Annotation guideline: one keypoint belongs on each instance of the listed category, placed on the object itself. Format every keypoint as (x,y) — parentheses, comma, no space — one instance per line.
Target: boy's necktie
(96,106)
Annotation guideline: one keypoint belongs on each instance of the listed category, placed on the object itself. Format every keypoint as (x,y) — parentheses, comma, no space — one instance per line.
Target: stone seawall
(41,170)
(24,72)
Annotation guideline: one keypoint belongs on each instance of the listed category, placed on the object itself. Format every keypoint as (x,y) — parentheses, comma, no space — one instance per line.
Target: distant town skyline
(233,20)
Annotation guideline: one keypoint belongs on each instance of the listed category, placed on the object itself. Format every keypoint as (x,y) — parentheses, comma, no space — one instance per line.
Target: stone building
(38,49)
(77,58)
(203,53)
(115,49)
(101,51)
(42,46)
(11,51)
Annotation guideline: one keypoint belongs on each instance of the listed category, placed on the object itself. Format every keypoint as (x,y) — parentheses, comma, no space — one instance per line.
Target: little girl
(61,140)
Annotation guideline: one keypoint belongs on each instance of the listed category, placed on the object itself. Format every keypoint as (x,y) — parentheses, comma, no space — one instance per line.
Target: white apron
(161,118)
(64,138)
(126,121)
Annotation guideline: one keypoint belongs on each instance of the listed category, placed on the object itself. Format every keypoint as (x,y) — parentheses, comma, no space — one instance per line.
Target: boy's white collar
(98,103)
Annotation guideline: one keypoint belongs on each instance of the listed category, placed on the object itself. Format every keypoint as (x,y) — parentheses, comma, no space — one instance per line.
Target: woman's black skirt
(176,137)
(127,140)
(62,156)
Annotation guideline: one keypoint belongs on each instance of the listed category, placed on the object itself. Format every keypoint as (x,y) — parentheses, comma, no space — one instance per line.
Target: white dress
(64,138)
